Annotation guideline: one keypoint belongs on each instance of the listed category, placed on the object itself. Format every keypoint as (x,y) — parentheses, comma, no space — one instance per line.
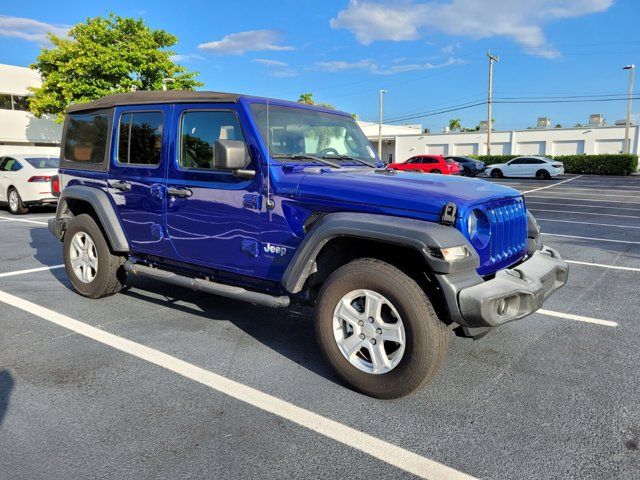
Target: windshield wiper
(309,157)
(350,158)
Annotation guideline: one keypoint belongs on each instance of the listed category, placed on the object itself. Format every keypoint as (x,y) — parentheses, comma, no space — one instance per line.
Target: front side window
(291,132)
(10,165)
(199,132)
(86,138)
(140,138)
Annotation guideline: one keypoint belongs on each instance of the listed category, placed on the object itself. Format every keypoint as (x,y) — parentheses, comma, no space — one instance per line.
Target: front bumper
(515,292)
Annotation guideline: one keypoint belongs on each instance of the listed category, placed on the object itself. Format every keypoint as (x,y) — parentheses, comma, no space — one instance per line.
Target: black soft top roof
(155,96)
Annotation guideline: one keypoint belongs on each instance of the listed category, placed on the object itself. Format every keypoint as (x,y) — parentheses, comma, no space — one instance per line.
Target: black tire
(435,171)
(426,336)
(417,171)
(17,208)
(496,173)
(543,175)
(110,275)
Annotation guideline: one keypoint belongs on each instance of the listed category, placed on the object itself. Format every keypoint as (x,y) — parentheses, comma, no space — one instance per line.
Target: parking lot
(160,382)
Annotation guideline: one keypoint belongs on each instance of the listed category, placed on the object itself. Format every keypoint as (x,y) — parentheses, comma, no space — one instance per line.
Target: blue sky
(428,55)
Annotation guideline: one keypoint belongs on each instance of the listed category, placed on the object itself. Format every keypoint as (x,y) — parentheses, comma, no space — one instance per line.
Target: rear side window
(86,138)
(140,138)
(43,162)
(199,132)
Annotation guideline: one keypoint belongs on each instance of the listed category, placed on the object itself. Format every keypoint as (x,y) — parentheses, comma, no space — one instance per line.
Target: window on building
(86,138)
(5,101)
(199,133)
(140,138)
(21,102)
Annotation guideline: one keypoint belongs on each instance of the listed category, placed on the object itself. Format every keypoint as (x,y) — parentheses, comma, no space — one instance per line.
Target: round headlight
(472,225)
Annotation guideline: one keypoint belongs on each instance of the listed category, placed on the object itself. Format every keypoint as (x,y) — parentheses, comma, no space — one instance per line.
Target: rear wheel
(543,175)
(93,270)
(16,207)
(435,171)
(496,173)
(378,330)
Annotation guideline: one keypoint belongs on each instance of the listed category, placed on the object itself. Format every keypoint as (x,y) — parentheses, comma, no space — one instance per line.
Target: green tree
(103,56)
(306,98)
(455,125)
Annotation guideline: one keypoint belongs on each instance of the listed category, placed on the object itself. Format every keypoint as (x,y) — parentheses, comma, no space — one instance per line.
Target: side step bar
(202,285)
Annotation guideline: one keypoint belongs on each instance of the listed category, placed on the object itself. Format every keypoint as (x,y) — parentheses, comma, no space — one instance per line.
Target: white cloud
(250,41)
(185,57)
(276,68)
(29,29)
(373,67)
(520,20)
(271,63)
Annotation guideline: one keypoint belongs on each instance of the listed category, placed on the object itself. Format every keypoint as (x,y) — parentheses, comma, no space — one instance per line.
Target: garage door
(530,148)
(608,146)
(438,149)
(568,147)
(465,149)
(500,148)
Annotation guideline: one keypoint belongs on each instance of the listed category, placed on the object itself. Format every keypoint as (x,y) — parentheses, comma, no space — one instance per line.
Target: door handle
(122,186)
(179,192)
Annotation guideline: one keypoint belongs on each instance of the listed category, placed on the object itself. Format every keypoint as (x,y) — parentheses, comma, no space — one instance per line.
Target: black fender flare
(99,200)
(420,235)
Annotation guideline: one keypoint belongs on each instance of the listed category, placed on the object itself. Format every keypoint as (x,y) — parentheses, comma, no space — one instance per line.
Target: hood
(419,192)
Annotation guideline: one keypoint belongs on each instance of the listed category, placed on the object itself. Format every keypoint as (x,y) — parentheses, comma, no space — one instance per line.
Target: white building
(398,147)
(20,131)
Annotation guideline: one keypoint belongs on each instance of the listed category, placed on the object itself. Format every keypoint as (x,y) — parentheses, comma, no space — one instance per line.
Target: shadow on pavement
(287,331)
(48,251)
(6,386)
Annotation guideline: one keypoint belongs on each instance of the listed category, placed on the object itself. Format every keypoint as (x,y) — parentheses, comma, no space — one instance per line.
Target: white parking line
(529,202)
(600,265)
(584,199)
(590,238)
(30,270)
(582,213)
(564,192)
(586,223)
(570,189)
(7,219)
(578,318)
(387,452)
(554,185)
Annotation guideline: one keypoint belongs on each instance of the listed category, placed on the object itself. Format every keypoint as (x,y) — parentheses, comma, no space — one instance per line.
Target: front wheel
(378,330)
(496,173)
(93,270)
(16,207)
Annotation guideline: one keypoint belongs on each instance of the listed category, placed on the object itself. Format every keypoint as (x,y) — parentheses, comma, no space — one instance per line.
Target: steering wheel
(329,150)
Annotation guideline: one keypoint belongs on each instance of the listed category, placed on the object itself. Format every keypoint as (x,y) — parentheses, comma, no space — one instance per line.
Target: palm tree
(306,98)
(455,125)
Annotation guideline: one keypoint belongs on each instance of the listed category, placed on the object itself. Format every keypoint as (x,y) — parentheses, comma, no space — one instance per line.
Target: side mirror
(233,155)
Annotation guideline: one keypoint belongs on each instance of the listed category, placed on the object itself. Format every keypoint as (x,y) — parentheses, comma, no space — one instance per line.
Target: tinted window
(140,138)
(535,161)
(519,161)
(414,160)
(43,162)
(10,165)
(5,101)
(21,102)
(199,132)
(86,138)
(430,160)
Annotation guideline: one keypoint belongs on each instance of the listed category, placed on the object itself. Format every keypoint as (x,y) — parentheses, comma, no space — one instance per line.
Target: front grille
(508,223)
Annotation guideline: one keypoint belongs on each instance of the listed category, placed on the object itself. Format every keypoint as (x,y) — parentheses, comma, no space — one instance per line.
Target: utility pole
(382,92)
(492,58)
(627,141)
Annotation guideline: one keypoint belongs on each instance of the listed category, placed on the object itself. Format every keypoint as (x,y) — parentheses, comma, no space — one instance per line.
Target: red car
(428,164)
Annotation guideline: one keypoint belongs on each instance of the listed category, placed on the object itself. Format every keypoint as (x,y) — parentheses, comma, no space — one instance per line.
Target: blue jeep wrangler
(274,202)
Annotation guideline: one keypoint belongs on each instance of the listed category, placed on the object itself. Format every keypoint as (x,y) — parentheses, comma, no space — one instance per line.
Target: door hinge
(156,231)
(251,247)
(252,201)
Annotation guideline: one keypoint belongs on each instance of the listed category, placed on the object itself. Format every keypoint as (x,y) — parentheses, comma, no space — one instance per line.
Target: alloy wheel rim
(369,331)
(13,200)
(84,257)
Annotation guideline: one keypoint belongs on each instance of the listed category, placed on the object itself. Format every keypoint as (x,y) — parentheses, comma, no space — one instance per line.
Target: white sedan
(25,180)
(532,167)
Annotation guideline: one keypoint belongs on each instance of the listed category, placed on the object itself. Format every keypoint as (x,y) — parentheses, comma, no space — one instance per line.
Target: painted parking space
(514,401)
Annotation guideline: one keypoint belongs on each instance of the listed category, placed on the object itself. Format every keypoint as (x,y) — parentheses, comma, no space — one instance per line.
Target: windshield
(297,132)
(43,162)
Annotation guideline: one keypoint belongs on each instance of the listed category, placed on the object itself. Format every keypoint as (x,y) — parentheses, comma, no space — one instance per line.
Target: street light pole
(492,58)
(627,141)
(380,123)
(165,81)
